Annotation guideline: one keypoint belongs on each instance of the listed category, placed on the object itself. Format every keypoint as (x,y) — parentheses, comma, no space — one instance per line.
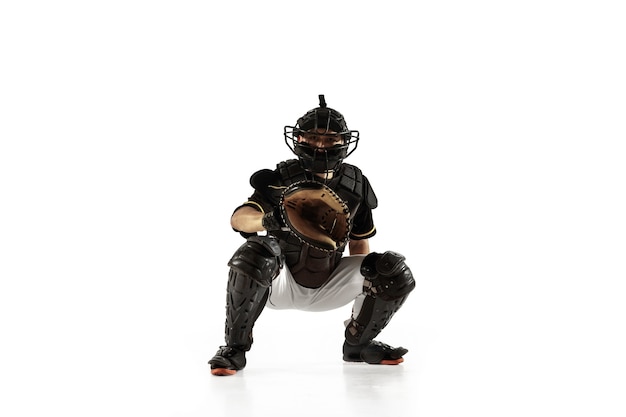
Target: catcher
(297,224)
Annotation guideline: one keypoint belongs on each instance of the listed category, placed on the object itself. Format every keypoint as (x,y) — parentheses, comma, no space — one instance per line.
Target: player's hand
(273,220)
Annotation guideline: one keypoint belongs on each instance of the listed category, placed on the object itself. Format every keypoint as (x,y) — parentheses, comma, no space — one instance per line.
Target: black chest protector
(312,267)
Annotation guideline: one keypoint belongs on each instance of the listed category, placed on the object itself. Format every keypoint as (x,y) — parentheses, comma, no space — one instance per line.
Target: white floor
(295,372)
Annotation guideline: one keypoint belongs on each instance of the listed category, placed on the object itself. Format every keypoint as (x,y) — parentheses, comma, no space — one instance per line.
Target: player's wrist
(272,221)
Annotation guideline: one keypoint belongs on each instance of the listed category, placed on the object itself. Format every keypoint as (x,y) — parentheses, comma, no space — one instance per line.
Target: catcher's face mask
(321,139)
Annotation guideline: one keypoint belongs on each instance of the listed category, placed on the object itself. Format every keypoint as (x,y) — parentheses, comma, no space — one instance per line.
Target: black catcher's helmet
(321,120)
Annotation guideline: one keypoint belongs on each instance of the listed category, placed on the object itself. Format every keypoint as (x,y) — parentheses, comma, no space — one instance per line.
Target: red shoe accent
(223,372)
(391,361)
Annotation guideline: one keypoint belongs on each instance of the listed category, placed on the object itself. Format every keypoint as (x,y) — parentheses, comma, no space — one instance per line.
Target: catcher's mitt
(316,215)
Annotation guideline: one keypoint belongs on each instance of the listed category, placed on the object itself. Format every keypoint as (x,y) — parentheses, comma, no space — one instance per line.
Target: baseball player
(280,267)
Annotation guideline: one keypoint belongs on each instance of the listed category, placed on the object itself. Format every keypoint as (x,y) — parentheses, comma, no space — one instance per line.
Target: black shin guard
(375,314)
(252,268)
(388,282)
(244,302)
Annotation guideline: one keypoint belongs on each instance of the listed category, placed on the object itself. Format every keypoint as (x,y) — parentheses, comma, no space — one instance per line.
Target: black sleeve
(258,202)
(363,222)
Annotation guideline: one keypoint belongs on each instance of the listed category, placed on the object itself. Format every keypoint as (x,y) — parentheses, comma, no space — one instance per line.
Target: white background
(493,135)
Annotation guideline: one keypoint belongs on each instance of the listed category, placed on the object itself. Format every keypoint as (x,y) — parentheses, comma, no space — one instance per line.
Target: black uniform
(309,266)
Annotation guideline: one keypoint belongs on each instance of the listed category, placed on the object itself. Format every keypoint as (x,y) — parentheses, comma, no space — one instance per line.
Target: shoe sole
(223,372)
(383,362)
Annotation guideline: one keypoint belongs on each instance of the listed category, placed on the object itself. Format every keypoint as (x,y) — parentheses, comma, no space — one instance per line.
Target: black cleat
(375,353)
(227,361)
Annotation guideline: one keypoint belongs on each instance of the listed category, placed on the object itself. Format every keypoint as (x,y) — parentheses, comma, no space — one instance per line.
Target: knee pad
(259,258)
(386,276)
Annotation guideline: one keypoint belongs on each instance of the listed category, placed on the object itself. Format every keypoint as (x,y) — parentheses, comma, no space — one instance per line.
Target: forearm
(359,247)
(247,219)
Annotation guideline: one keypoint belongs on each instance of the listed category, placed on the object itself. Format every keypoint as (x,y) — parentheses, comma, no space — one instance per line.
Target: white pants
(344,286)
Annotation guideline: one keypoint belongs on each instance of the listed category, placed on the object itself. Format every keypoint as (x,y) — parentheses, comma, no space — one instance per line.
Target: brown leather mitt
(316,215)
